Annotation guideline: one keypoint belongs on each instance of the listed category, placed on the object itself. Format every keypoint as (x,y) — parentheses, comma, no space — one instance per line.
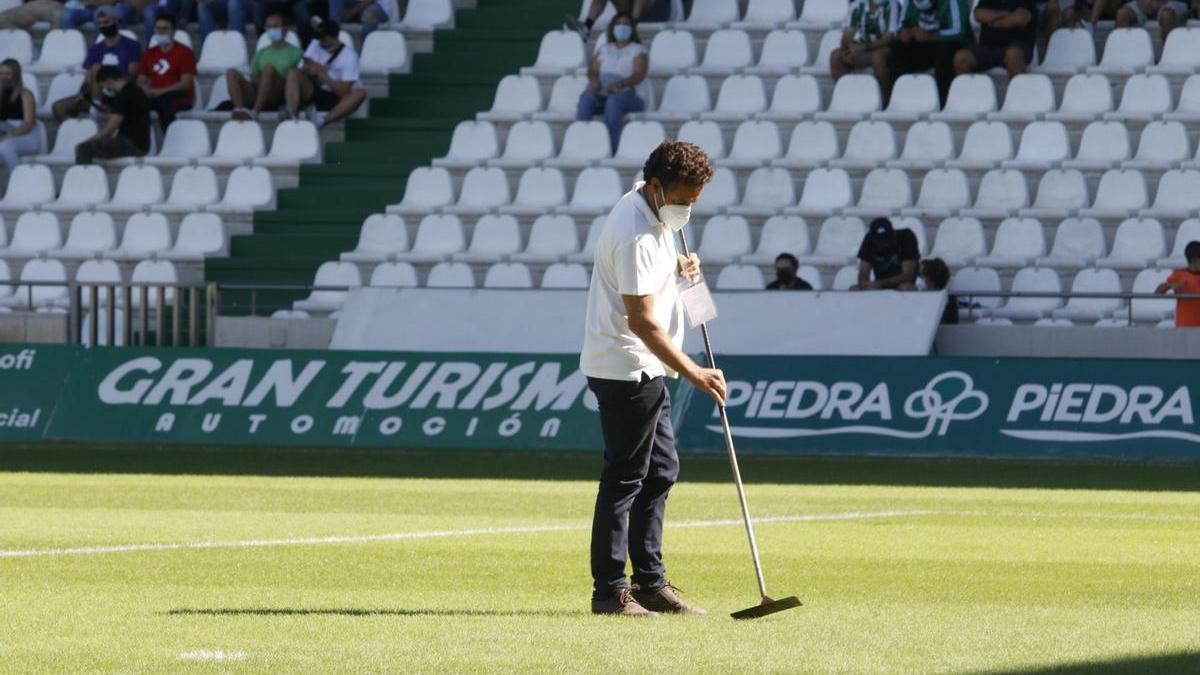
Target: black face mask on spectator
(109,30)
(785,275)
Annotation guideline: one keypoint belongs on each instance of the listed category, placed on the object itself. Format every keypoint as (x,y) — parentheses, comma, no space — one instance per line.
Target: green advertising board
(930,406)
(935,406)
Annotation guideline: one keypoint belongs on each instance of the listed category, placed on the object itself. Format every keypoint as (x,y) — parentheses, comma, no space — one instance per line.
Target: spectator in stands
(24,15)
(1168,13)
(370,13)
(936,276)
(18,117)
(786,279)
(617,70)
(268,72)
(294,10)
(168,72)
(76,13)
(113,49)
(930,33)
(182,10)
(127,131)
(865,39)
(1185,280)
(328,79)
(1007,34)
(638,11)
(211,12)
(890,255)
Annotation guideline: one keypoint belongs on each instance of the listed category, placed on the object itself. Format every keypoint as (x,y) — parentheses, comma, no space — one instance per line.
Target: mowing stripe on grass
(432,534)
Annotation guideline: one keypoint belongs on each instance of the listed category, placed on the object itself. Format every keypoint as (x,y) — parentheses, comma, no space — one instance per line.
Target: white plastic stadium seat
(247,188)
(33,297)
(943,192)
(712,14)
(1043,144)
(1138,243)
(1102,146)
(1151,310)
(1085,98)
(83,186)
(237,143)
(540,189)
(671,51)
(854,97)
(762,14)
(725,239)
(564,99)
(1029,95)
(28,185)
(192,188)
(91,234)
(638,139)
(812,144)
(341,274)
(1187,109)
(883,191)
(1122,192)
(596,190)
(184,141)
(1078,242)
(529,142)
(483,189)
(427,189)
(1126,51)
(823,13)
(1071,50)
(438,237)
(508,275)
(782,52)
(740,97)
(494,238)
(728,51)
(1092,280)
(1002,193)
(768,191)
(472,143)
(1032,280)
(1181,52)
(869,144)
(36,233)
(971,97)
(1160,145)
(63,84)
(383,52)
(381,236)
(740,278)
(200,235)
(1188,231)
(825,191)
(926,145)
(61,50)
(295,142)
(755,143)
(1060,193)
(794,97)
(222,50)
(1143,98)
(17,45)
(146,235)
(913,96)
(584,143)
(1178,195)
(830,40)
(394,275)
(516,97)
(780,234)
(589,245)
(428,15)
(969,280)
(986,144)
(684,97)
(450,275)
(137,188)
(959,241)
(1019,241)
(565,275)
(706,134)
(837,242)
(99,273)
(551,238)
(559,52)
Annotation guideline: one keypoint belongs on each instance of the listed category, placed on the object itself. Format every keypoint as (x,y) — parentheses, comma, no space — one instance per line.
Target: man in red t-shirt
(167,72)
(1187,281)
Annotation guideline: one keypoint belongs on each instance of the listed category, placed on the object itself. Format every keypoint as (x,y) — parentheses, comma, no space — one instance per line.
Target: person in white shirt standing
(617,83)
(327,78)
(632,342)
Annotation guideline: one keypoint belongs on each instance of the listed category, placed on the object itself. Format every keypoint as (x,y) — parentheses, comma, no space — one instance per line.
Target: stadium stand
(465,171)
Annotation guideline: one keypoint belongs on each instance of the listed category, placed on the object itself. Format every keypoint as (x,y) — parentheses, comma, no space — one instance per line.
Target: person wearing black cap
(889,255)
(328,78)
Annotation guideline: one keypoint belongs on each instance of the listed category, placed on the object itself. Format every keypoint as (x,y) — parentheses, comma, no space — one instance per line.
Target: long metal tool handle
(733,463)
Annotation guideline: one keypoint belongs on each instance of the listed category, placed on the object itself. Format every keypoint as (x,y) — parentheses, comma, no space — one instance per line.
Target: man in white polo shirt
(632,342)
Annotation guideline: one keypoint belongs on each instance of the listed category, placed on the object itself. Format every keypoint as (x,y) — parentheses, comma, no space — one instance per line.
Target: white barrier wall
(877,323)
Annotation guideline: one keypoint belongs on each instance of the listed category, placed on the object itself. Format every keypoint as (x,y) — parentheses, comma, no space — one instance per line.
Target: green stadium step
(406,129)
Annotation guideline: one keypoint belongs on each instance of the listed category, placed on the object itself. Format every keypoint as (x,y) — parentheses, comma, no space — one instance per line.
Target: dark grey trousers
(106,148)
(640,466)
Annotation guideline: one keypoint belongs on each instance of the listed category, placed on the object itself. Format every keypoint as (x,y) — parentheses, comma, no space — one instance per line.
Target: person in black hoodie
(786,279)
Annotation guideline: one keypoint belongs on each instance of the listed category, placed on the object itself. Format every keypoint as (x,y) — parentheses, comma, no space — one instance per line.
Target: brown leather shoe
(621,603)
(665,600)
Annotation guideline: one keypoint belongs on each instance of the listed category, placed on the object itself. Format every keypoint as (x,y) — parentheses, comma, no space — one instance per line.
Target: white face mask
(674,216)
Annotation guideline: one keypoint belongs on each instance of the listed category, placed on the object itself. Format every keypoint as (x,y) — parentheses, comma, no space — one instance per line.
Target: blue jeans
(182,10)
(370,17)
(74,17)
(299,16)
(233,11)
(615,108)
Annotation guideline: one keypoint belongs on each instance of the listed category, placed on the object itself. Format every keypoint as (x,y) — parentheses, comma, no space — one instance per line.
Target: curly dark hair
(674,162)
(936,272)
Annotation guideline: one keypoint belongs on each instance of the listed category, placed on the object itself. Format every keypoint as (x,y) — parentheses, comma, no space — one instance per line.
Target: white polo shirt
(635,255)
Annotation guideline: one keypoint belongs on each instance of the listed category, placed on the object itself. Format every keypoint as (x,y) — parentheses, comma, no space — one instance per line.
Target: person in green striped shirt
(865,39)
(931,32)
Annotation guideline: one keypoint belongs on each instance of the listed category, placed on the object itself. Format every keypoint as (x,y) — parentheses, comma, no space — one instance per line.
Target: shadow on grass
(535,465)
(1179,662)
(355,611)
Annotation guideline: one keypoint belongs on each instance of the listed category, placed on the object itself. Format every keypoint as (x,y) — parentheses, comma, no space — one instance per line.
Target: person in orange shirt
(1186,281)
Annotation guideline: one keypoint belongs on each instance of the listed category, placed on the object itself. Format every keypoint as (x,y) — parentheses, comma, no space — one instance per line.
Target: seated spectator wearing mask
(127,131)
(328,79)
(936,275)
(616,78)
(865,39)
(24,15)
(890,255)
(210,12)
(638,10)
(370,13)
(18,117)
(1007,35)
(268,72)
(1185,280)
(168,72)
(786,266)
(113,49)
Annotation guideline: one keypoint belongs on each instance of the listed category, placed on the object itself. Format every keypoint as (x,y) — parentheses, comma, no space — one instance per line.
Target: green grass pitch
(902,567)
